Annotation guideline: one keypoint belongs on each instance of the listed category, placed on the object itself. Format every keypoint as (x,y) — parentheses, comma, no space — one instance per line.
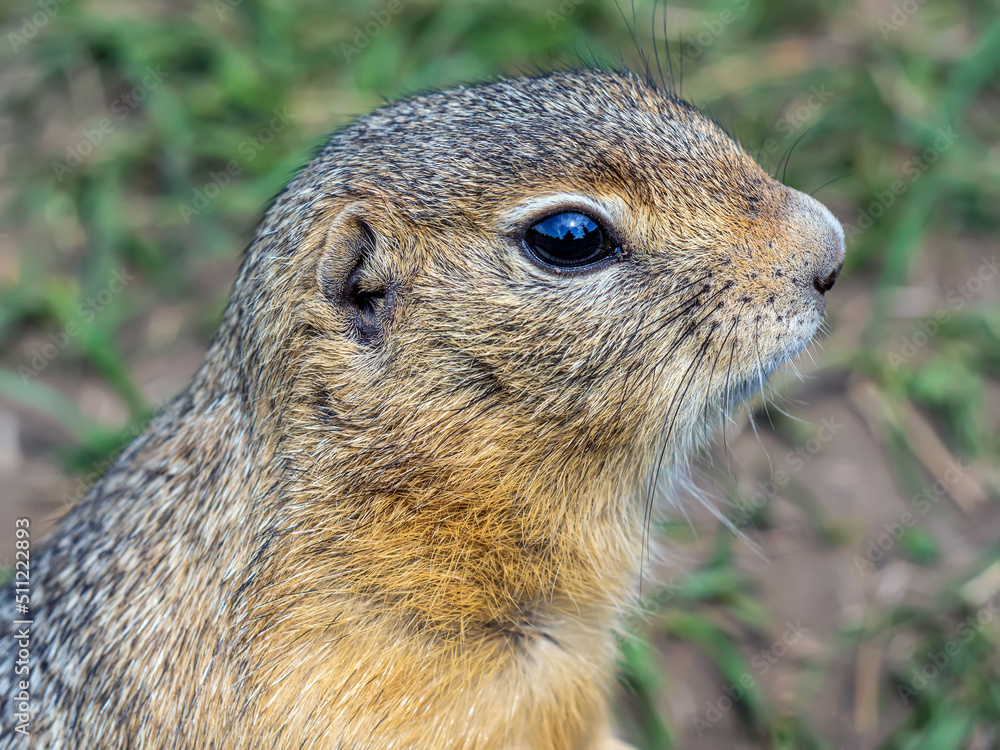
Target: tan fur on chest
(503,693)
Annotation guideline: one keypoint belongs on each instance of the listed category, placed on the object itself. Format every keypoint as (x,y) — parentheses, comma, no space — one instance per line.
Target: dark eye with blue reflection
(568,240)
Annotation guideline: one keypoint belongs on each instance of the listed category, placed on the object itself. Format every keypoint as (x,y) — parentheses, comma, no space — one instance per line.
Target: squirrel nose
(821,237)
(824,284)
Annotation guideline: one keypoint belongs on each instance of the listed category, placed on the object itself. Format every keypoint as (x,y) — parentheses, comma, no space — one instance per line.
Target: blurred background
(859,604)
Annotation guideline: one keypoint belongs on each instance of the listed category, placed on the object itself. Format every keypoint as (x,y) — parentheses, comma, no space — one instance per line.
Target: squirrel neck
(439,558)
(455,545)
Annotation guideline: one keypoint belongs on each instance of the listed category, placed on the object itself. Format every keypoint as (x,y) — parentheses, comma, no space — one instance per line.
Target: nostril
(824,284)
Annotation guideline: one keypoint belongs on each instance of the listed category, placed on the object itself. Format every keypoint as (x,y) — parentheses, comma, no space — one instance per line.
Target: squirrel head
(531,282)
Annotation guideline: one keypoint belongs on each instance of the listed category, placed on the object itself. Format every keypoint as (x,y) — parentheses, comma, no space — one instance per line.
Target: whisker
(670,62)
(686,379)
(808,351)
(728,393)
(689,378)
(725,396)
(831,181)
(791,366)
(783,164)
(681,309)
(656,48)
(786,414)
(711,375)
(760,379)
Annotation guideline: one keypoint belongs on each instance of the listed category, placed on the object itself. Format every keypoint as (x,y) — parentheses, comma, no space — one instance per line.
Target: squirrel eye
(568,240)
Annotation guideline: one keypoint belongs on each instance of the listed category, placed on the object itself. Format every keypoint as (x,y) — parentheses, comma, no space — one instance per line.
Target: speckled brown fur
(401,504)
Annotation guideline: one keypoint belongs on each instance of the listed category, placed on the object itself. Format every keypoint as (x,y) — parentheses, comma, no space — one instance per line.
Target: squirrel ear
(354,280)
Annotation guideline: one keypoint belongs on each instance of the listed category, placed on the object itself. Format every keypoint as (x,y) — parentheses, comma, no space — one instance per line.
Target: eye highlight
(568,240)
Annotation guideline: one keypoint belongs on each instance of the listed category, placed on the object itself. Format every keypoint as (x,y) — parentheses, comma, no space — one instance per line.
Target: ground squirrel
(401,504)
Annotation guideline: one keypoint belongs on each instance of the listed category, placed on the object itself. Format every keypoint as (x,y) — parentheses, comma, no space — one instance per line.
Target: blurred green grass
(863,91)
